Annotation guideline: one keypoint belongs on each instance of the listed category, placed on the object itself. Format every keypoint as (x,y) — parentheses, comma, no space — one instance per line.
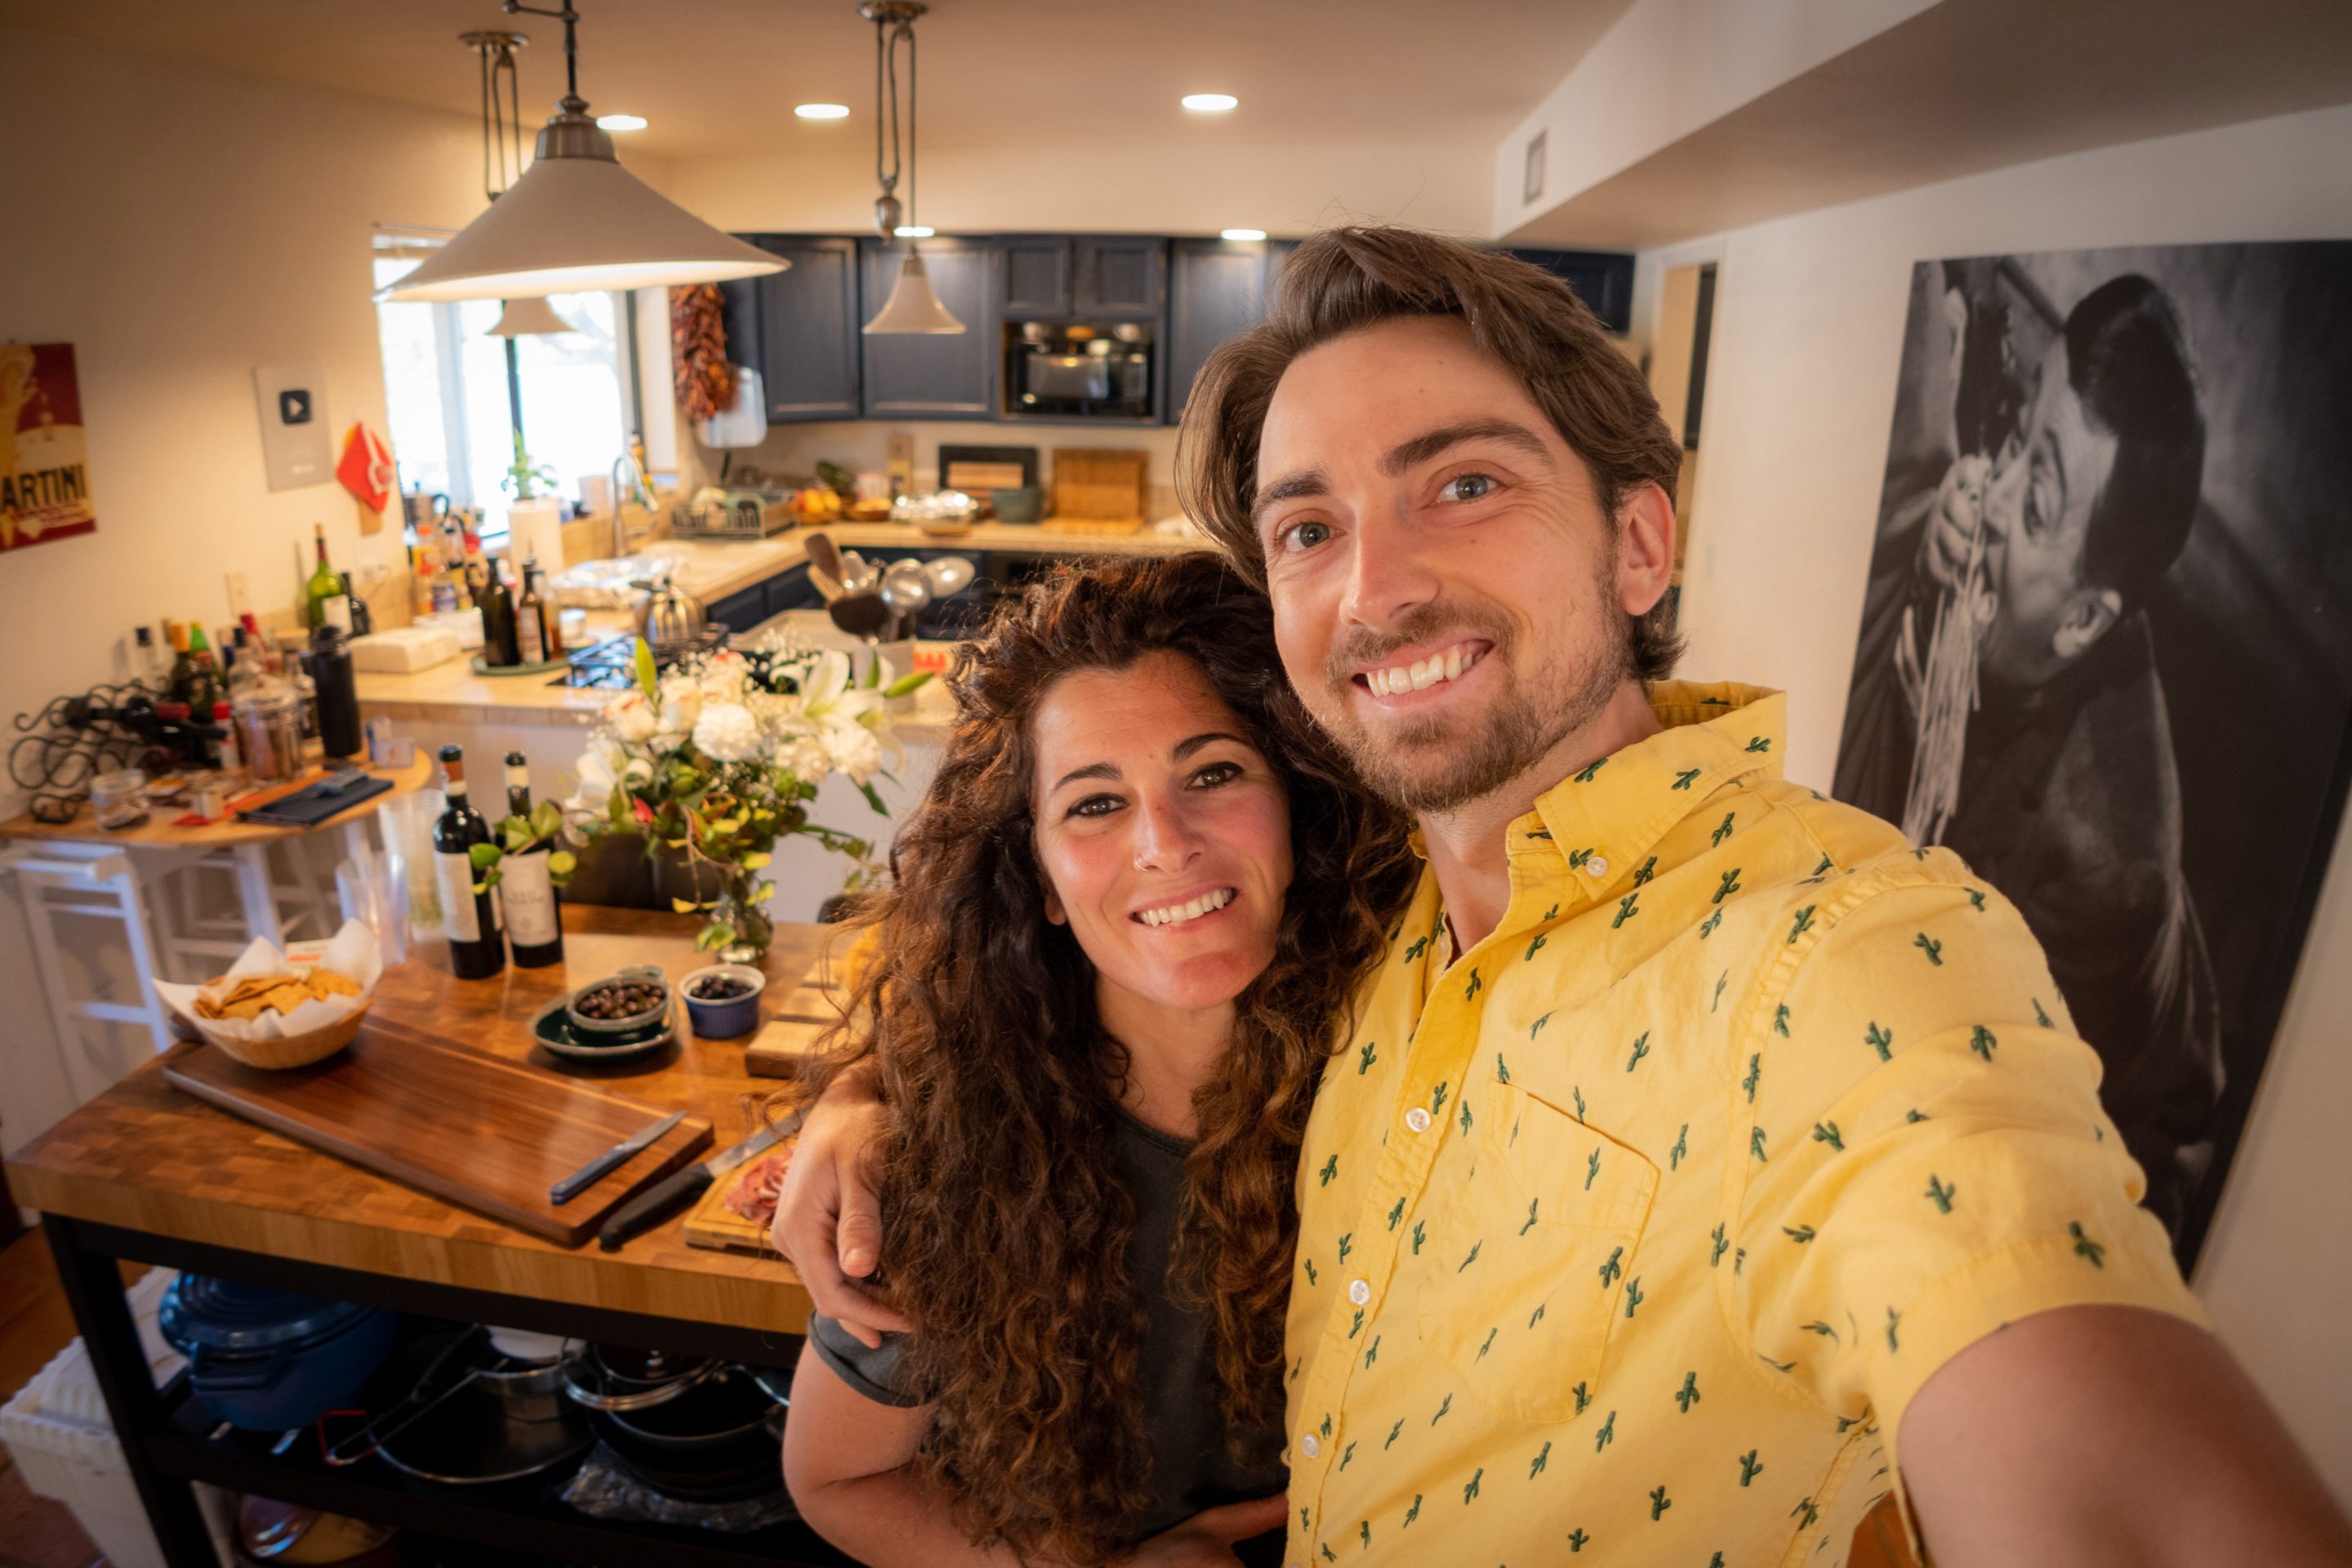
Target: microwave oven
(1080,372)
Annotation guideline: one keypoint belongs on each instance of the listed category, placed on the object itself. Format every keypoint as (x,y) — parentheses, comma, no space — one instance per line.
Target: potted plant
(718,760)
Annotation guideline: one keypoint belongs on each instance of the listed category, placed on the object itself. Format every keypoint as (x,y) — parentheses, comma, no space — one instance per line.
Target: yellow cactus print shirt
(1627,1235)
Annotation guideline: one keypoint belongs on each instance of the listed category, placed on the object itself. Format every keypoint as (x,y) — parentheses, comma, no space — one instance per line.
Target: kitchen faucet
(626,462)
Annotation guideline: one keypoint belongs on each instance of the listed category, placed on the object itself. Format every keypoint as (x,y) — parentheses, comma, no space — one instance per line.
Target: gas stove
(612,665)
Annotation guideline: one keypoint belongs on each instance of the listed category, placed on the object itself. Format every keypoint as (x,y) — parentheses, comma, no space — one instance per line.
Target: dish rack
(743,514)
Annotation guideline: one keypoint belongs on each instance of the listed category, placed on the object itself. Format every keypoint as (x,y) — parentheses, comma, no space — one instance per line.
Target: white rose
(681,703)
(728,733)
(631,717)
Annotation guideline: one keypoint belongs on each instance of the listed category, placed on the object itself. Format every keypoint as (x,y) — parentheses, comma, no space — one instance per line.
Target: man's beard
(1518,730)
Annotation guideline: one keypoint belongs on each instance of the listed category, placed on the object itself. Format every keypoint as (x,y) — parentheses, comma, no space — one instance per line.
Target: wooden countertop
(158,831)
(452,693)
(145,1156)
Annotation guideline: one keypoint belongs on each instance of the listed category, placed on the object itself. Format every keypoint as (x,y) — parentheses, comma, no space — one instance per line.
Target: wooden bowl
(293,1050)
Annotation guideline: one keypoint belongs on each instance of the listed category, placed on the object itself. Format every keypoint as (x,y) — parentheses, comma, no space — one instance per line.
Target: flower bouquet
(718,759)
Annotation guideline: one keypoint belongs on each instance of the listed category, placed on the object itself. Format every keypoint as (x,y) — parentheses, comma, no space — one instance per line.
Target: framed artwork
(2107,650)
(44,474)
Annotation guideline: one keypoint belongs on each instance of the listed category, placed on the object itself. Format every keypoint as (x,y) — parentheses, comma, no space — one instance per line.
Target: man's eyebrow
(1091,771)
(1409,455)
(1184,749)
(1290,487)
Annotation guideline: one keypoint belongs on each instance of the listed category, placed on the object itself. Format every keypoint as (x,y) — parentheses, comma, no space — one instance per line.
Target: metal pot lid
(622,1377)
(224,1315)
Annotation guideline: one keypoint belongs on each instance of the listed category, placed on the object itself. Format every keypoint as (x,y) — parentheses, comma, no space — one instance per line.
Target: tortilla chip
(326,983)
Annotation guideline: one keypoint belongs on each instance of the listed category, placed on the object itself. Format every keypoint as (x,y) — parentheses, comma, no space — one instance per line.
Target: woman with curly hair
(1120,942)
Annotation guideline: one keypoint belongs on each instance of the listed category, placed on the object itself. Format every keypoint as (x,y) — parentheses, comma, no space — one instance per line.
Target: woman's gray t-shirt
(1190,1470)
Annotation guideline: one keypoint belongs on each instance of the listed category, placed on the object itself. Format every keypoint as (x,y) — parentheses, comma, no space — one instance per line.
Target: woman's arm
(828,1221)
(845,1459)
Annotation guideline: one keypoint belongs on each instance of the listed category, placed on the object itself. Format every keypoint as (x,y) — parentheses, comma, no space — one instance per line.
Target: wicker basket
(293,1050)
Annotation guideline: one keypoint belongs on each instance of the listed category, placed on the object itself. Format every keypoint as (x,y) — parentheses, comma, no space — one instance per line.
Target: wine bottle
(533,620)
(534,909)
(323,586)
(470,919)
(363,619)
(498,642)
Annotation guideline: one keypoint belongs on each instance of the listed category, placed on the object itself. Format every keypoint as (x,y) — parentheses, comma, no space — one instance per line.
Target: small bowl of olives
(723,1000)
(620,1003)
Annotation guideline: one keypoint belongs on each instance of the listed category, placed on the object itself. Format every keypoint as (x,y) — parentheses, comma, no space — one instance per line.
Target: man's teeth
(1419,674)
(1176,914)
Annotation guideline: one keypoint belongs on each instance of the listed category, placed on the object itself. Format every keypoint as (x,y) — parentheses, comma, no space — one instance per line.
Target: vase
(742,906)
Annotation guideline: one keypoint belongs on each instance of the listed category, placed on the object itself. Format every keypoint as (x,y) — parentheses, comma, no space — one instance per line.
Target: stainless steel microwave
(1056,371)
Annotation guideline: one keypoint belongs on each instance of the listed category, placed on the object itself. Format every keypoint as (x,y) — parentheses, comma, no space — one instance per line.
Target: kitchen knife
(595,1170)
(665,1197)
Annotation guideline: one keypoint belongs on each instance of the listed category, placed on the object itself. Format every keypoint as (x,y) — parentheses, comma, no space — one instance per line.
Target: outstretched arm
(2109,1434)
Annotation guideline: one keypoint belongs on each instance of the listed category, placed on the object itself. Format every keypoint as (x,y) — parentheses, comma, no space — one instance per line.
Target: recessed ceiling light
(1210,102)
(622,121)
(822,110)
(913,231)
(1242,234)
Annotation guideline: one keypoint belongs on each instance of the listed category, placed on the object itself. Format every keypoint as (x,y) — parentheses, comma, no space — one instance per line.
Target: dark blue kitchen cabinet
(926,375)
(1216,288)
(1033,277)
(1122,276)
(798,328)
(1603,280)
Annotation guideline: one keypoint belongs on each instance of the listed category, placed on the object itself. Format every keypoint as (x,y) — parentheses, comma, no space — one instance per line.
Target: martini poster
(44,477)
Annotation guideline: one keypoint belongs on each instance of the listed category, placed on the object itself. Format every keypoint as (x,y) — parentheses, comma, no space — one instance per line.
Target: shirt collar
(1618,808)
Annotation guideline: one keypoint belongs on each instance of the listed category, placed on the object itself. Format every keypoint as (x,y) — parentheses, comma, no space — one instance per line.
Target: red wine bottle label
(528,895)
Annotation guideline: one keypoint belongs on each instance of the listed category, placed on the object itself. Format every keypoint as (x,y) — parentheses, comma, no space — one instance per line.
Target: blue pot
(269,1361)
(728,1020)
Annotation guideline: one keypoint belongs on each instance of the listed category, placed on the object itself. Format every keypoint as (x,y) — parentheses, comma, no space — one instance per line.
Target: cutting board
(798,1021)
(486,1135)
(1101,488)
(711,1224)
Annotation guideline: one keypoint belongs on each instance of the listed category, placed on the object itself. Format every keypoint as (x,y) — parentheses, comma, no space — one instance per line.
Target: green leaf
(715,935)
(516,834)
(648,677)
(546,819)
(755,860)
(874,674)
(684,906)
(560,865)
(873,799)
(484,856)
(907,683)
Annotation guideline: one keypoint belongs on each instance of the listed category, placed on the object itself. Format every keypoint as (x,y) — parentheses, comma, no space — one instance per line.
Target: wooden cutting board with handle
(1106,490)
(488,1135)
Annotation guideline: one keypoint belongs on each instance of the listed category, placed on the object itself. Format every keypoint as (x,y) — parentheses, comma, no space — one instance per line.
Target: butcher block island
(151,1172)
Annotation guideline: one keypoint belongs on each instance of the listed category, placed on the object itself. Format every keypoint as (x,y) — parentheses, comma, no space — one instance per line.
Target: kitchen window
(458,397)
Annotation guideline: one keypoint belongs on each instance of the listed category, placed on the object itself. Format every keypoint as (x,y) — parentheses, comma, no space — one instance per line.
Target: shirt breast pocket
(1536,1235)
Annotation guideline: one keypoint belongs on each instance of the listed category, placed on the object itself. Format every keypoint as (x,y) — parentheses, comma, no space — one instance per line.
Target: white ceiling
(720,77)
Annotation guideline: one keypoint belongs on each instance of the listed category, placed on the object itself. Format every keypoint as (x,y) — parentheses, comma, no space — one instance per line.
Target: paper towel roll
(535,529)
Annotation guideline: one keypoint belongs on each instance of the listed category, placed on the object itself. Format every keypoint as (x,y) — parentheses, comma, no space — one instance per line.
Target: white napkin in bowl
(353,952)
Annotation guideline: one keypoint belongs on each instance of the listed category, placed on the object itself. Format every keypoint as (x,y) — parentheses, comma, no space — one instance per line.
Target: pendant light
(502,164)
(913,306)
(577,221)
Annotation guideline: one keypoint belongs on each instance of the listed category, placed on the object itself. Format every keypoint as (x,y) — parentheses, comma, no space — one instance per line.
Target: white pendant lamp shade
(577,221)
(913,306)
(529,318)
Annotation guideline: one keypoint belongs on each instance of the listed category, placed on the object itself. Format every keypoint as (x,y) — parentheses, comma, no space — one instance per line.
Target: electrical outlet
(240,598)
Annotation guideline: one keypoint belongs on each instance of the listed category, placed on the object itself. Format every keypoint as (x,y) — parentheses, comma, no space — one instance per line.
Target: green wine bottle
(324,584)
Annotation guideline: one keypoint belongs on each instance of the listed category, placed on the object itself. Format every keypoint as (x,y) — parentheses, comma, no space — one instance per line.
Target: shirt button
(1310,1445)
(1596,865)
(1359,1291)
(1417,1119)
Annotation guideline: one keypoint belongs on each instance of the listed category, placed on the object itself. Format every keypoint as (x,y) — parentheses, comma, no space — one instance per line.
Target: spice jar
(268,718)
(119,799)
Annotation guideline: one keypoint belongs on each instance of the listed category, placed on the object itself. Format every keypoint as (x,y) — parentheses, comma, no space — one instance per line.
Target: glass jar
(270,723)
(119,799)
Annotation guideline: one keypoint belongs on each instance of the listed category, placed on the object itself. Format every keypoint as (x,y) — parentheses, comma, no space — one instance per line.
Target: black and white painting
(2107,650)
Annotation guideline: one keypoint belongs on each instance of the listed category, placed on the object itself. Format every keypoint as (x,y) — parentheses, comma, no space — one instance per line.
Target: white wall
(1801,395)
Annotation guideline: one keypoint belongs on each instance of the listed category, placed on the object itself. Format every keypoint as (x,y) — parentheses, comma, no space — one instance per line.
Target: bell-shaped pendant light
(529,318)
(914,305)
(577,221)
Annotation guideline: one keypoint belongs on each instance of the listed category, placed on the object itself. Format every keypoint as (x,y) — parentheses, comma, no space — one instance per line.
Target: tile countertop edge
(772,1301)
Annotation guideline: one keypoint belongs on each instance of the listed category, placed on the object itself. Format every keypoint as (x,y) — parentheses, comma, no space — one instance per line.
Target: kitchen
(761,433)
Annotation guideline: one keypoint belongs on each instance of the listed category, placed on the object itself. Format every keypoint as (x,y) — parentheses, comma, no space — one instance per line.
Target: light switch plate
(240,597)
(292,402)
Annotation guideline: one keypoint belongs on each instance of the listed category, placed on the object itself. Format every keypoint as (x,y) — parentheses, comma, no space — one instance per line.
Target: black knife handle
(653,1206)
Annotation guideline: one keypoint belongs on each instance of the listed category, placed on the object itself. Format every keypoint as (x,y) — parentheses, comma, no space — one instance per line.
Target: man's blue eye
(1307,535)
(1468,487)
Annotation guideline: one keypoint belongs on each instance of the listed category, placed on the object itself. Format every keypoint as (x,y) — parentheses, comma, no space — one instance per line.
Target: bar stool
(92,882)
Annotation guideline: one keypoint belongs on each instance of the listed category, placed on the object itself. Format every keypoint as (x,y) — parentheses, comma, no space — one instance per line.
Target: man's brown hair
(1345,280)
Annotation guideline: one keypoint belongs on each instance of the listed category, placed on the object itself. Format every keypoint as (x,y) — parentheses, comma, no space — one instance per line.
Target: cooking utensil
(861,615)
(824,556)
(657,1202)
(857,577)
(267,1360)
(469,1129)
(948,575)
(594,1171)
(669,616)
(474,1417)
(907,590)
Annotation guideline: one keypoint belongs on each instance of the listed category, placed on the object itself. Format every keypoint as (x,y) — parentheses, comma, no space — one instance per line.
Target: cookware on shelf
(270,1360)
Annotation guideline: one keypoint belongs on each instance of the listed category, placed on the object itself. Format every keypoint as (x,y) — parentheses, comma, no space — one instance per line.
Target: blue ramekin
(724,1020)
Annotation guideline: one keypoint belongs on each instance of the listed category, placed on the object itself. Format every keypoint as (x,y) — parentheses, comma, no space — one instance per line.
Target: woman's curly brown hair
(1005,1229)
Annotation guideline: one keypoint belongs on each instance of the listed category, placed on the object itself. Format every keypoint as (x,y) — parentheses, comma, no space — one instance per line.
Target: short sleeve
(874,1373)
(1929,1161)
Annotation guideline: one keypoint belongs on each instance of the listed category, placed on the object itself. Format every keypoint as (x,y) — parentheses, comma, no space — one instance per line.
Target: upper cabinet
(1603,280)
(922,375)
(1216,289)
(1092,277)
(798,328)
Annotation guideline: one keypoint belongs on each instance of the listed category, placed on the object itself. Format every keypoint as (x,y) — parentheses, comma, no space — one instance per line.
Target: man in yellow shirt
(1701,1151)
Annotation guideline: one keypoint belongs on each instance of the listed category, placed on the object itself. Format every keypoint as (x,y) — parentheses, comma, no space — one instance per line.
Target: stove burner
(612,665)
